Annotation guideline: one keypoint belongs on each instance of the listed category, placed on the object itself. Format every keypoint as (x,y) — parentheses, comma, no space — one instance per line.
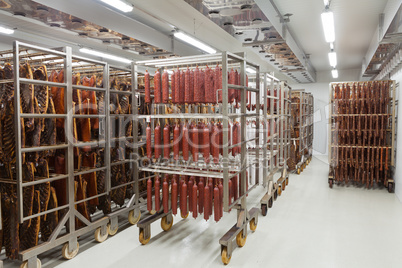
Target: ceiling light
(327,18)
(331,46)
(335,73)
(326,2)
(332,58)
(250,71)
(6,30)
(190,40)
(120,5)
(104,55)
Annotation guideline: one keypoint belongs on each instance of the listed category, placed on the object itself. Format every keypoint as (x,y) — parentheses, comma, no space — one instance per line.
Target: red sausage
(157,141)
(195,143)
(211,196)
(220,138)
(166,142)
(238,138)
(149,194)
(149,143)
(216,82)
(165,87)
(207,194)
(232,81)
(216,203)
(185,138)
(183,199)
(174,194)
(176,142)
(215,143)
(191,87)
(147,87)
(248,92)
(235,188)
(157,194)
(201,195)
(157,86)
(206,145)
(220,199)
(237,82)
(197,86)
(173,87)
(209,86)
(234,140)
(187,95)
(165,195)
(194,201)
(220,85)
(190,193)
(177,85)
(182,86)
(202,73)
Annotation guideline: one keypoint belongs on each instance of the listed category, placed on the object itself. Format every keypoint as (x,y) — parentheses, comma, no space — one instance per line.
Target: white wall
(398,171)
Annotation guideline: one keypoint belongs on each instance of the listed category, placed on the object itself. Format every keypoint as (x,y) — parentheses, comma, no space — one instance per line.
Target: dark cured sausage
(174,194)
(216,75)
(232,81)
(209,85)
(177,86)
(234,140)
(237,92)
(165,195)
(149,143)
(191,87)
(147,87)
(176,142)
(197,86)
(207,194)
(157,193)
(187,87)
(216,203)
(157,87)
(206,144)
(201,195)
(190,193)
(202,74)
(211,196)
(173,87)
(215,143)
(157,141)
(183,199)
(182,86)
(194,200)
(149,194)
(195,143)
(166,142)
(165,87)
(185,138)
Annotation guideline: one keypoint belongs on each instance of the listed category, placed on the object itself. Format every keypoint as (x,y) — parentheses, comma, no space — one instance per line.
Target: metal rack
(362,106)
(228,166)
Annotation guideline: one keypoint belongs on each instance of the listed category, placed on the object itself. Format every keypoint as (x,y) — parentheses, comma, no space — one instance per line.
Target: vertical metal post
(271,125)
(134,105)
(265,132)
(243,156)
(17,120)
(106,85)
(257,99)
(225,125)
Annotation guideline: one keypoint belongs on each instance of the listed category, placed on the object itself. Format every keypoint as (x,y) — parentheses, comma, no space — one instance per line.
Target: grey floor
(310,225)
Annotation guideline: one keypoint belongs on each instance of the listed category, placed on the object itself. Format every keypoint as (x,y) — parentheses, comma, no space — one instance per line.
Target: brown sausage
(215,143)
(386,159)
(206,144)
(239,137)
(157,141)
(149,143)
(157,87)
(202,73)
(211,195)
(216,83)
(209,87)
(176,142)
(234,139)
(147,87)
(174,194)
(216,203)
(195,142)
(220,199)
(191,86)
(190,193)
(182,86)
(220,138)
(183,199)
(237,92)
(165,195)
(177,85)
(173,86)
(197,85)
(232,81)
(165,86)
(187,95)
(207,194)
(149,194)
(166,142)
(194,200)
(185,138)
(157,193)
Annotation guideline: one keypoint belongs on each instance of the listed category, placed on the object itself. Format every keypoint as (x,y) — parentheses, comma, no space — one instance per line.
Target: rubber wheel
(390,188)
(275,195)
(279,190)
(66,252)
(165,226)
(110,231)
(152,212)
(225,258)
(100,238)
(330,183)
(301,168)
(141,238)
(270,203)
(131,218)
(264,210)
(253,225)
(287,181)
(25,264)
(298,171)
(240,240)
(184,216)
(284,185)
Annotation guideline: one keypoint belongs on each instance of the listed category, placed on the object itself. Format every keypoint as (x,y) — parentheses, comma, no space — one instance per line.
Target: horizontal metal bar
(121,162)
(89,116)
(239,199)
(89,198)
(6,81)
(43,115)
(41,82)
(80,58)
(239,144)
(98,89)
(121,138)
(45,212)
(146,178)
(178,172)
(120,92)
(231,86)
(42,49)
(89,143)
(43,148)
(122,185)
(44,180)
(181,116)
(265,42)
(92,170)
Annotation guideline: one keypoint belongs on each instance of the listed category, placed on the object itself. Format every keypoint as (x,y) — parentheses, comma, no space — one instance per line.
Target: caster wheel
(142,239)
(100,238)
(110,231)
(287,181)
(240,240)
(331,183)
(225,258)
(152,212)
(301,168)
(253,225)
(270,203)
(279,191)
(298,171)
(164,224)
(184,216)
(275,195)
(264,210)
(131,218)
(390,188)
(25,264)
(284,185)
(66,252)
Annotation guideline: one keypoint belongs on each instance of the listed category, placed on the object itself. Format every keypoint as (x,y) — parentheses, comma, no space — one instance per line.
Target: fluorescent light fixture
(120,5)
(194,42)
(327,18)
(104,55)
(6,30)
(331,46)
(251,71)
(326,2)
(332,59)
(335,73)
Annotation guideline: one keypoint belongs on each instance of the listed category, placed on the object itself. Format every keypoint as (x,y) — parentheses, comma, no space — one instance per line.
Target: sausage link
(238,141)
(211,195)
(206,144)
(237,92)
(185,138)
(216,75)
(157,194)
(215,143)
(209,87)
(197,85)
(149,142)
(177,85)
(187,96)
(201,195)
(191,98)
(220,86)
(190,193)
(149,194)
(195,142)
(176,142)
(220,138)
(207,194)
(165,86)
(174,194)
(232,81)
(147,87)
(157,141)
(165,195)
(183,199)
(194,200)
(182,86)
(157,87)
(216,203)
(173,86)
(220,199)
(202,73)
(166,142)
(234,139)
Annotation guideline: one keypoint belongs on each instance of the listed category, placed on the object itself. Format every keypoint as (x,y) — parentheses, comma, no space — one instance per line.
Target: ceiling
(355,25)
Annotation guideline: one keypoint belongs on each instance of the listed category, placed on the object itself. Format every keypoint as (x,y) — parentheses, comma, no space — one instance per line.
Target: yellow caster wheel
(279,190)
(100,238)
(253,225)
(240,240)
(25,264)
(132,219)
(184,216)
(67,254)
(287,181)
(110,231)
(298,171)
(142,239)
(164,224)
(301,168)
(283,185)
(152,212)
(225,258)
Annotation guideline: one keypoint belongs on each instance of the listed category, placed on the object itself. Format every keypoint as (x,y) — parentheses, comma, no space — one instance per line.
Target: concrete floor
(310,225)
